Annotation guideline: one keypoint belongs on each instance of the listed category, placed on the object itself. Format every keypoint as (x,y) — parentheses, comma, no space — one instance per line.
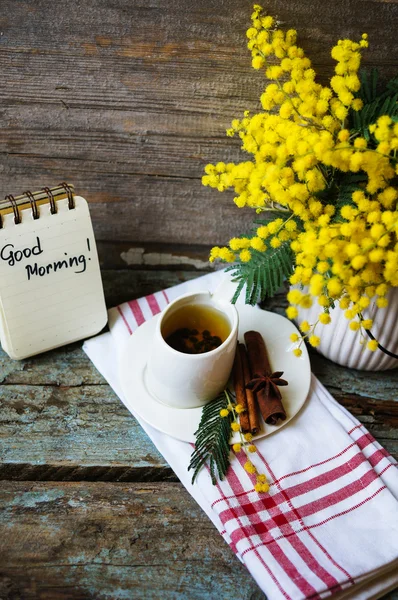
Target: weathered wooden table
(88,507)
(129,100)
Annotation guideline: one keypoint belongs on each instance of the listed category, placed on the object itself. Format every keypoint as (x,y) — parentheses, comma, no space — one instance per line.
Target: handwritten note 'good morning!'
(50,283)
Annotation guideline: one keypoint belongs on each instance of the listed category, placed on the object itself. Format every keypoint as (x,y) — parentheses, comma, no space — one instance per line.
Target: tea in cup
(193,350)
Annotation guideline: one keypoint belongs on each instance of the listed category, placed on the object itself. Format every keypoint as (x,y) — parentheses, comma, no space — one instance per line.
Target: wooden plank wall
(129,99)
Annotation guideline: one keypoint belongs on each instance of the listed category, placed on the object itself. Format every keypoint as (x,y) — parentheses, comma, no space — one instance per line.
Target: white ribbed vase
(343,346)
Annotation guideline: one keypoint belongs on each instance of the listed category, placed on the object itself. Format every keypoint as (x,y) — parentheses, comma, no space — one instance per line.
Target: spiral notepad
(50,283)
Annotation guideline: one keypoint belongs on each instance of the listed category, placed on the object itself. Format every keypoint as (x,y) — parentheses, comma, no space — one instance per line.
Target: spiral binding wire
(51,194)
(71,202)
(17,216)
(53,206)
(35,210)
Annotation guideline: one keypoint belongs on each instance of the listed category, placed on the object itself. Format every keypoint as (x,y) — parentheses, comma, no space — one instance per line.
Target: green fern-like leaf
(375,105)
(344,198)
(212,440)
(392,86)
(371,112)
(368,89)
(264,274)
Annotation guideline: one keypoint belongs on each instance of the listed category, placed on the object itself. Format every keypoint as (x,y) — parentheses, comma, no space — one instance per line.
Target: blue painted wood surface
(113,541)
(90,509)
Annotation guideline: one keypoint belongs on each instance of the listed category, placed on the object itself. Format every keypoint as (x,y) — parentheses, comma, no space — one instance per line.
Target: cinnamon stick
(240,390)
(269,400)
(250,396)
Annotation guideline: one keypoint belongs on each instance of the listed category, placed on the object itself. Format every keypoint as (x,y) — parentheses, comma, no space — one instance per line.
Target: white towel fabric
(329,524)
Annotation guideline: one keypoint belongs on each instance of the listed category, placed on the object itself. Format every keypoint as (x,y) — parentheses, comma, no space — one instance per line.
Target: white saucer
(182,423)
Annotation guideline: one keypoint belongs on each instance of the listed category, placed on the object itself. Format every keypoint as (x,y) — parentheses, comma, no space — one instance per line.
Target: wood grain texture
(113,542)
(130,100)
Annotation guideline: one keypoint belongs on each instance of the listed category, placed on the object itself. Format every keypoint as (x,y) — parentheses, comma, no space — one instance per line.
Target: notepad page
(50,284)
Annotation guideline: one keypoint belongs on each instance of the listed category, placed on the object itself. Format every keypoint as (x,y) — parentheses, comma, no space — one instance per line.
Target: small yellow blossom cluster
(346,81)
(275,232)
(289,144)
(246,445)
(352,262)
(302,146)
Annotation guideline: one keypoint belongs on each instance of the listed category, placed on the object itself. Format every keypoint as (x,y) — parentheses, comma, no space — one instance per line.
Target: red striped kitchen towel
(329,524)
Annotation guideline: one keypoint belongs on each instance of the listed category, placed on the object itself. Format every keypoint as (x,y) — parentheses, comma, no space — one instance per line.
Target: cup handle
(225,290)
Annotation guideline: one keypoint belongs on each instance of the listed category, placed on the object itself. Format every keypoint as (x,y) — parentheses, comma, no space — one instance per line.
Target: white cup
(190,380)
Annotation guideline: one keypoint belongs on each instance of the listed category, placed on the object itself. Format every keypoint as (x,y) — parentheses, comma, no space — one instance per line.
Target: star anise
(267,382)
